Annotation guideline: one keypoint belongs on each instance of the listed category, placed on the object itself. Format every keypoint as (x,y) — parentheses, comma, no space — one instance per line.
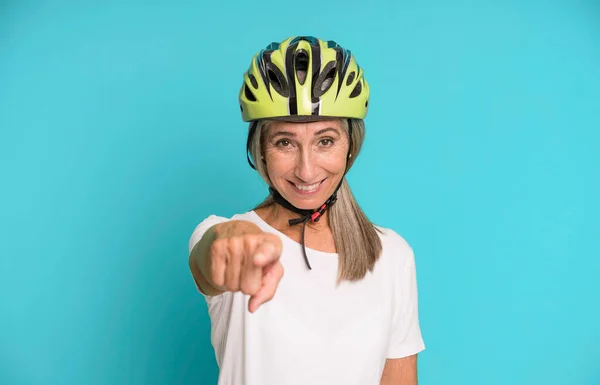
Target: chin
(312,204)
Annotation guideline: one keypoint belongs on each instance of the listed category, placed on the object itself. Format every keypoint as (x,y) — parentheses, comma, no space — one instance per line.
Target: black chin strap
(312,215)
(305,215)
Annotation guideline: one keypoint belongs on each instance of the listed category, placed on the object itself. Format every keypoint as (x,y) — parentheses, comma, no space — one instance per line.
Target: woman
(345,311)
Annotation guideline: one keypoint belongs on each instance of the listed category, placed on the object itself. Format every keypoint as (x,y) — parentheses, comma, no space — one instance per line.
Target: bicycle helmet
(304,78)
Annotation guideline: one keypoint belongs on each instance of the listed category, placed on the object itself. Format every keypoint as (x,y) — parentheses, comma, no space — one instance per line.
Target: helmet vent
(325,79)
(277,80)
(350,78)
(253,81)
(249,95)
(301,65)
(357,90)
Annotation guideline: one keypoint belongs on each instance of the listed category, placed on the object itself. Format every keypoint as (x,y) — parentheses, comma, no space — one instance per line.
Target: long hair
(356,240)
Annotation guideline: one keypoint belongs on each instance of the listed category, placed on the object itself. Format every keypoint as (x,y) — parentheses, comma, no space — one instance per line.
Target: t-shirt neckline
(287,238)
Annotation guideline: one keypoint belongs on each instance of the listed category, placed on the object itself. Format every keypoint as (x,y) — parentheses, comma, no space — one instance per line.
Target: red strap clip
(315,216)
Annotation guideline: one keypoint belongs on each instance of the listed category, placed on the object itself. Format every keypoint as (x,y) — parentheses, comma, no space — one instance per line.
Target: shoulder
(395,248)
(212,220)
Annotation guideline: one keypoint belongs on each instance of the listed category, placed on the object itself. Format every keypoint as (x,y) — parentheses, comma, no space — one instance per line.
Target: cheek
(334,164)
(278,164)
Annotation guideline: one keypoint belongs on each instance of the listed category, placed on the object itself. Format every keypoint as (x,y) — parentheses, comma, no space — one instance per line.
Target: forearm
(400,371)
(199,262)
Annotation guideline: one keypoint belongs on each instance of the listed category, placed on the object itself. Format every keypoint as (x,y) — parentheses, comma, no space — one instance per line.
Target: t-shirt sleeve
(405,338)
(198,233)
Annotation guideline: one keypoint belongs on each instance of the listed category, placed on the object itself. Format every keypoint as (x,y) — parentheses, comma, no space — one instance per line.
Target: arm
(405,339)
(400,371)
(200,256)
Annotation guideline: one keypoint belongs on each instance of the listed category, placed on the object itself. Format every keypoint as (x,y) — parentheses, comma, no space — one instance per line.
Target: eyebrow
(281,133)
(291,134)
(328,129)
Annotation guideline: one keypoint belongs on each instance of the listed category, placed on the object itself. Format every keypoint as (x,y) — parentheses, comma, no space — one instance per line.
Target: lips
(307,188)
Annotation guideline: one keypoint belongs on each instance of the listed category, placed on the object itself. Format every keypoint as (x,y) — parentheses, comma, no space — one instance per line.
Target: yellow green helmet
(304,78)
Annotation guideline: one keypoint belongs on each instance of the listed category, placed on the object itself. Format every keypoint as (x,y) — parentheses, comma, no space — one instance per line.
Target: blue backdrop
(120,131)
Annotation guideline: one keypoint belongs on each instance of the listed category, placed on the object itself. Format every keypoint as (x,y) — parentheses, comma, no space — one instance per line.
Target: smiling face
(306,161)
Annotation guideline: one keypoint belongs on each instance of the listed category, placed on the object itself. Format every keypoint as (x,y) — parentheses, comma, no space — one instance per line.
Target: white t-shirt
(313,332)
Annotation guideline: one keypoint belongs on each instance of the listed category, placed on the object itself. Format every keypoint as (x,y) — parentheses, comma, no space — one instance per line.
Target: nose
(306,169)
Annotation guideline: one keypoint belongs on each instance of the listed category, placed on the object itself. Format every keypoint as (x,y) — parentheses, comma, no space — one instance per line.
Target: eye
(326,142)
(283,143)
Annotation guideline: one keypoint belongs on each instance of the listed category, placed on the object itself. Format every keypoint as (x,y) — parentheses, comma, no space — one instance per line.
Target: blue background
(120,131)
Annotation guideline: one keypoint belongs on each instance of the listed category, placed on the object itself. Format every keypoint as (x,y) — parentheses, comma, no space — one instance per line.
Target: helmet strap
(251,132)
(305,215)
(312,215)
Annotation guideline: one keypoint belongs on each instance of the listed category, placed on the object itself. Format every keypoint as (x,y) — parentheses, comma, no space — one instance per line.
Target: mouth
(307,189)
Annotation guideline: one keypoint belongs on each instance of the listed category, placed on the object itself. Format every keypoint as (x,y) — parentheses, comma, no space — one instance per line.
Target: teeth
(307,188)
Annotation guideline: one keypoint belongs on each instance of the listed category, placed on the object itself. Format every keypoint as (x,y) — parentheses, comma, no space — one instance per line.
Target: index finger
(272,275)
